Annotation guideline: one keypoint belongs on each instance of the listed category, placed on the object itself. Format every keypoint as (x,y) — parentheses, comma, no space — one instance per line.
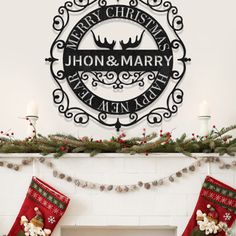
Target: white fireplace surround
(118,231)
(165,210)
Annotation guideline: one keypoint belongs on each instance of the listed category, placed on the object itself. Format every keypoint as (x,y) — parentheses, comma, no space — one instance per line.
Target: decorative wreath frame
(79,115)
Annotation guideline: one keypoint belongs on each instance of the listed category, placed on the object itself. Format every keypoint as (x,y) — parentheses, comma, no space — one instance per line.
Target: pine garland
(218,141)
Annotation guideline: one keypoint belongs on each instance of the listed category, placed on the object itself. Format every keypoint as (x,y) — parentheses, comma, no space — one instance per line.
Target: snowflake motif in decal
(227,216)
(51,220)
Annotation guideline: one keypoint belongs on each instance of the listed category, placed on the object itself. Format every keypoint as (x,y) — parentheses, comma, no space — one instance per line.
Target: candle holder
(31,129)
(204,125)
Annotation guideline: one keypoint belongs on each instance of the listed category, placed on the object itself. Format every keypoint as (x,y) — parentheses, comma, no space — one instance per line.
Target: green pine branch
(59,144)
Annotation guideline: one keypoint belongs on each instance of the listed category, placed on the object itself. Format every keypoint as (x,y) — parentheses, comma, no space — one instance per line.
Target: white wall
(26,37)
(168,206)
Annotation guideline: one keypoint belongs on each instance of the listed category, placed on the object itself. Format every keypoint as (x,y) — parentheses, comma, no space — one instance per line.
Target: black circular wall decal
(104,72)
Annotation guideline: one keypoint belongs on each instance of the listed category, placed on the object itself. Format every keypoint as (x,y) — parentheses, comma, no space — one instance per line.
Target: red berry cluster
(161,133)
(63,148)
(121,137)
(98,141)
(167,134)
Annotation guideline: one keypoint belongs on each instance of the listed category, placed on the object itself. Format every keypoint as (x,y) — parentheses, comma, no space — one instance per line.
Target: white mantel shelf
(111,155)
(169,206)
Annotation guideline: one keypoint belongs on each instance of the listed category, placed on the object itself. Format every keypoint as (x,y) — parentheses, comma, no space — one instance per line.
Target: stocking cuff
(50,198)
(219,193)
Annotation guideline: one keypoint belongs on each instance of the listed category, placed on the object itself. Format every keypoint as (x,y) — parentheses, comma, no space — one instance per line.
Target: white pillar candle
(204,109)
(32,109)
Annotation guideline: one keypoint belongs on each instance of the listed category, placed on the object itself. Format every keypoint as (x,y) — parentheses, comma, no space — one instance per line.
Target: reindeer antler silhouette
(129,44)
(105,44)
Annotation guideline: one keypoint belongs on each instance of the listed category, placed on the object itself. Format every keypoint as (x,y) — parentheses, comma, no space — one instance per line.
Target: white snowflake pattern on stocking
(227,216)
(51,220)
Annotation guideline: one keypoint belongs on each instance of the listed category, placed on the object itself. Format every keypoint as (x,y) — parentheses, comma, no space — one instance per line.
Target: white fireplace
(159,211)
(118,231)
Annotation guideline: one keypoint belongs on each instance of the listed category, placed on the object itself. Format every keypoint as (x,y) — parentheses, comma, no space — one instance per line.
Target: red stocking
(42,209)
(215,210)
